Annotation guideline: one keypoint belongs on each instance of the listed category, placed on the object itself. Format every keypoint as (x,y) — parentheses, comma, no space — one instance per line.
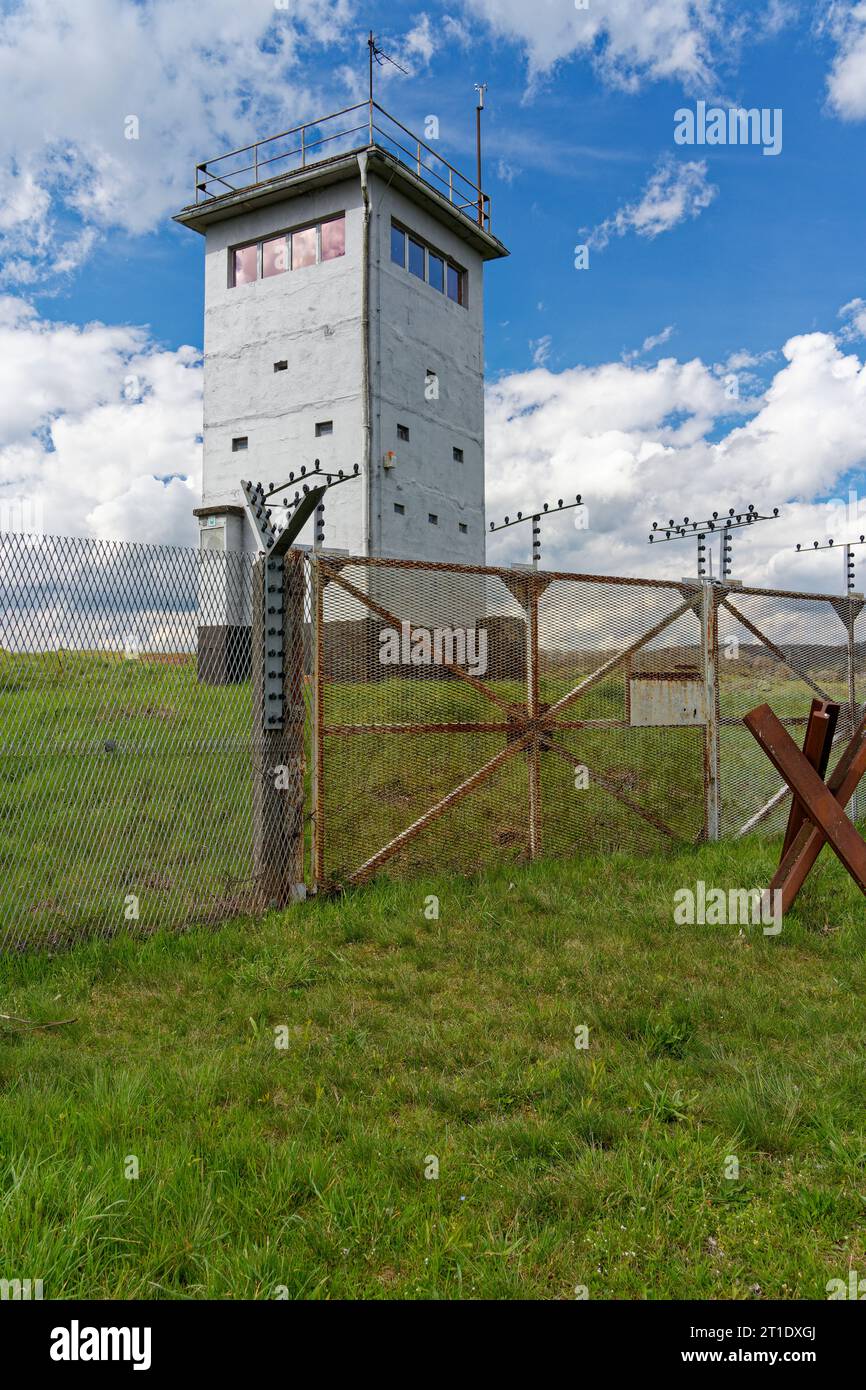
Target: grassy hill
(301,1170)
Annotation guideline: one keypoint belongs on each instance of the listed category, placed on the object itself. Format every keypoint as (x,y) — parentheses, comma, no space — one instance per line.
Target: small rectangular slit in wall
(324,427)
(240,443)
(463,527)
(403,432)
(457,454)
(433,518)
(281,366)
(399,508)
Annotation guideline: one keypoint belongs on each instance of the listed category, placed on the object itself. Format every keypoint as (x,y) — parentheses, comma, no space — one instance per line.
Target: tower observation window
(444,276)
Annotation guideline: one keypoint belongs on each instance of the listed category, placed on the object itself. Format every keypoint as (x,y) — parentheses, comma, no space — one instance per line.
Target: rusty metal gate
(464,716)
(433,718)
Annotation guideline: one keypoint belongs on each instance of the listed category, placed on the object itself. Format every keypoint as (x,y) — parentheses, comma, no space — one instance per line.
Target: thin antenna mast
(481,88)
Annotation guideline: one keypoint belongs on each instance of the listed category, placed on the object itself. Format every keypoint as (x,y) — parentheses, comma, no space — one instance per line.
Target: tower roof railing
(353,128)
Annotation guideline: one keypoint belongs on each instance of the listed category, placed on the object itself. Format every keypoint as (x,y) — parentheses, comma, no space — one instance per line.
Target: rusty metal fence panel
(467,716)
(434,717)
(125,738)
(783,649)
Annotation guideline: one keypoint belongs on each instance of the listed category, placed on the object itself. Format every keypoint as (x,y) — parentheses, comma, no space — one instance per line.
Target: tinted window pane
(455,285)
(333,238)
(416,258)
(246,264)
(436,271)
(275,256)
(398,247)
(304,248)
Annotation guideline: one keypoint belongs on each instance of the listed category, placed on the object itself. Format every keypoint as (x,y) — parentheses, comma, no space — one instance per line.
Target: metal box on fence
(662,699)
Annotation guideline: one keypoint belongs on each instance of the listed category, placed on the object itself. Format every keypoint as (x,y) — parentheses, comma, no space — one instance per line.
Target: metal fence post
(712,749)
(854,608)
(534,750)
(278,753)
(318,740)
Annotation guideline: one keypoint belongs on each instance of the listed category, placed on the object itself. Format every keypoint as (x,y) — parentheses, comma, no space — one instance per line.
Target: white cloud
(846,82)
(674,192)
(507,172)
(854,314)
(418,45)
(541,349)
(628,40)
(642,444)
(649,344)
(198,78)
(91,419)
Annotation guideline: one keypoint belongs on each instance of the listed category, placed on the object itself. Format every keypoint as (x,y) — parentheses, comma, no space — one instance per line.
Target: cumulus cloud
(197,79)
(674,193)
(647,443)
(854,316)
(846,81)
(99,429)
(102,426)
(629,41)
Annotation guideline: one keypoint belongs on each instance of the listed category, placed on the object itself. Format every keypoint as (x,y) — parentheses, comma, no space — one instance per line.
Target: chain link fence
(469,716)
(425,718)
(125,738)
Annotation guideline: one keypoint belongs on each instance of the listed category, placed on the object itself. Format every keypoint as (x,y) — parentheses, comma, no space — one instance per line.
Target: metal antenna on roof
(380,56)
(481,88)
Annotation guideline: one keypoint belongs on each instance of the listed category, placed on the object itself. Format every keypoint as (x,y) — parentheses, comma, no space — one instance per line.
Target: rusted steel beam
(343,730)
(777,651)
(798,863)
(534,758)
(318,727)
(820,732)
(615,580)
(369,867)
(614,791)
(504,573)
(712,760)
(394,621)
(790,721)
(818,801)
(549,717)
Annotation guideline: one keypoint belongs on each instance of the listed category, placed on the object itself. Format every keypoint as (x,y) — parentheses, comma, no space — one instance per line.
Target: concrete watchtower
(344,266)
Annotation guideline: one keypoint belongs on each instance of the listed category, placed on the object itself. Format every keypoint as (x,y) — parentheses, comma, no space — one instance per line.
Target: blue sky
(610,380)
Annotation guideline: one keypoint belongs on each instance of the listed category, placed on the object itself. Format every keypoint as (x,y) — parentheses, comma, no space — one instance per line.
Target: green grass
(408,1037)
(129,777)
